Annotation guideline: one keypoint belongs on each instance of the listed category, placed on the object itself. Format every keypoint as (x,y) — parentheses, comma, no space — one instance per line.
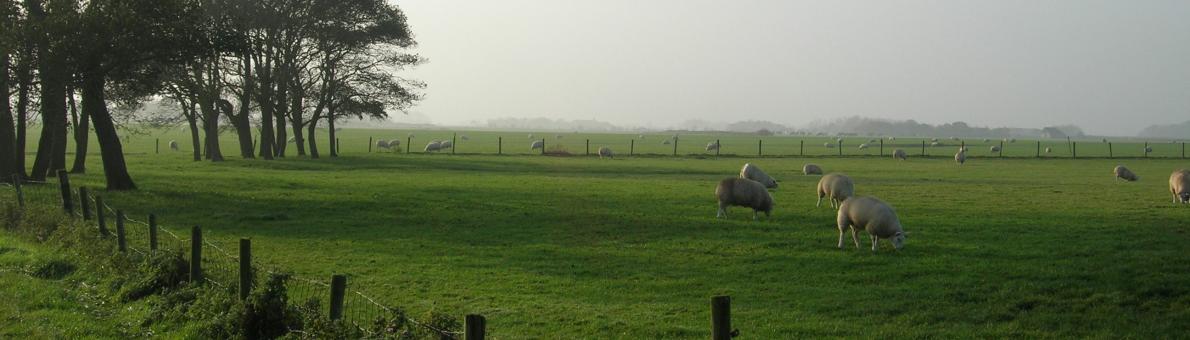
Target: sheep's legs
(875,242)
(840,237)
(855,237)
(722,212)
(819,204)
(754,216)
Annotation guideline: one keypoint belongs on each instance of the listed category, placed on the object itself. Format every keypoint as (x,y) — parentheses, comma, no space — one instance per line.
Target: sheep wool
(899,154)
(447,145)
(1123,173)
(836,188)
(744,193)
(712,146)
(994,149)
(536,145)
(605,152)
(811,169)
(173,145)
(381,144)
(960,157)
(874,216)
(1179,186)
(433,146)
(754,173)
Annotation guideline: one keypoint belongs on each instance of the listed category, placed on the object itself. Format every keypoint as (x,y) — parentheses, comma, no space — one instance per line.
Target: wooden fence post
(100,215)
(16,184)
(923,148)
(64,185)
(631,146)
(840,148)
(121,241)
(245,268)
(1073,149)
(157,146)
(1110,154)
(588,147)
(475,326)
(1146,150)
(1038,148)
(881,147)
(718,147)
(500,145)
(721,318)
(84,202)
(454,142)
(338,288)
(675,146)
(801,149)
(369,144)
(759,147)
(543,145)
(408,144)
(152,232)
(1183,149)
(196,255)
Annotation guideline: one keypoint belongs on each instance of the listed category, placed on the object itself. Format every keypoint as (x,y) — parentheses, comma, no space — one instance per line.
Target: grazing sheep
(665,142)
(605,152)
(874,216)
(433,146)
(382,144)
(447,144)
(1148,149)
(1123,173)
(640,136)
(464,137)
(836,187)
(994,149)
(754,173)
(828,145)
(985,140)
(811,169)
(173,145)
(892,138)
(899,154)
(960,157)
(537,144)
(863,146)
(933,140)
(713,146)
(871,141)
(745,193)
(839,140)
(1049,150)
(1179,186)
(935,144)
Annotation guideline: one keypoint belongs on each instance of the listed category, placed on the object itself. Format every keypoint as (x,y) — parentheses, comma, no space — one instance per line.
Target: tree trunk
(330,124)
(210,129)
(7,130)
(310,129)
(195,142)
(265,98)
(95,105)
(81,139)
(282,136)
(242,121)
(24,83)
(53,122)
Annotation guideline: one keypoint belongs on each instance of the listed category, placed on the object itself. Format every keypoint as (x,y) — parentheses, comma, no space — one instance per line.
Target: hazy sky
(1112,67)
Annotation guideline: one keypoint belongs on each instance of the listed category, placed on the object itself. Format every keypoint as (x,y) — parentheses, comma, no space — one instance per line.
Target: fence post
(721,318)
(588,147)
(718,147)
(801,149)
(543,145)
(369,144)
(1001,149)
(152,232)
(408,144)
(338,288)
(881,147)
(157,146)
(84,203)
(1074,150)
(759,147)
(1109,151)
(1183,149)
(840,148)
(499,145)
(120,240)
(245,268)
(338,148)
(923,148)
(100,215)
(16,184)
(1146,150)
(475,326)
(675,146)
(64,184)
(454,142)
(631,146)
(1038,148)
(196,255)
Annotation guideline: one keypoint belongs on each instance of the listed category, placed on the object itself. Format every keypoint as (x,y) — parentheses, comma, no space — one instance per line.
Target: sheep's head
(770,183)
(1185,196)
(898,239)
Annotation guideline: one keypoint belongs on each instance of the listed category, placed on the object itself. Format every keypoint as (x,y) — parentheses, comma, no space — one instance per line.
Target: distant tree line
(274,67)
(862,126)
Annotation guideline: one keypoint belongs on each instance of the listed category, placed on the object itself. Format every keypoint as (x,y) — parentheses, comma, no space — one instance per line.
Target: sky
(1111,67)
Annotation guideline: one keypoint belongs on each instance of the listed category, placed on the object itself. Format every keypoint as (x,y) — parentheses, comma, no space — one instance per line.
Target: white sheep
(744,193)
(892,138)
(713,146)
(994,149)
(640,137)
(605,152)
(537,144)
(960,157)
(1123,173)
(985,140)
(754,173)
(447,145)
(836,187)
(1148,149)
(811,169)
(665,142)
(874,216)
(828,145)
(382,144)
(899,154)
(1049,150)
(935,144)
(433,146)
(1179,186)
(933,140)
(173,145)
(863,146)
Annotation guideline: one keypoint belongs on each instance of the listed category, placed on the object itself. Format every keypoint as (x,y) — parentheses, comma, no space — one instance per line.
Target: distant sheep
(960,157)
(530,136)
(447,144)
(836,188)
(381,144)
(933,140)
(464,137)
(1179,186)
(605,152)
(874,216)
(754,173)
(935,144)
(433,146)
(985,140)
(1148,149)
(839,140)
(1122,173)
(744,193)
(1049,150)
(665,142)
(713,146)
(811,169)
(640,136)
(994,149)
(892,138)
(863,146)
(828,145)
(871,141)
(173,145)
(537,144)
(1012,140)
(410,135)
(899,154)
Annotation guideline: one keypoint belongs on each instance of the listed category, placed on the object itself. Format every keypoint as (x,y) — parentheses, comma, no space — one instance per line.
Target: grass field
(578,247)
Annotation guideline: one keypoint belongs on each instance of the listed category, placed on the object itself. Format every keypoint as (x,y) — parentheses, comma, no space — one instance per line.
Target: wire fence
(219,266)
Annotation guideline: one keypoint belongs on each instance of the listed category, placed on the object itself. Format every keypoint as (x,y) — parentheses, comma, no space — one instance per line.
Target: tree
(52,28)
(8,148)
